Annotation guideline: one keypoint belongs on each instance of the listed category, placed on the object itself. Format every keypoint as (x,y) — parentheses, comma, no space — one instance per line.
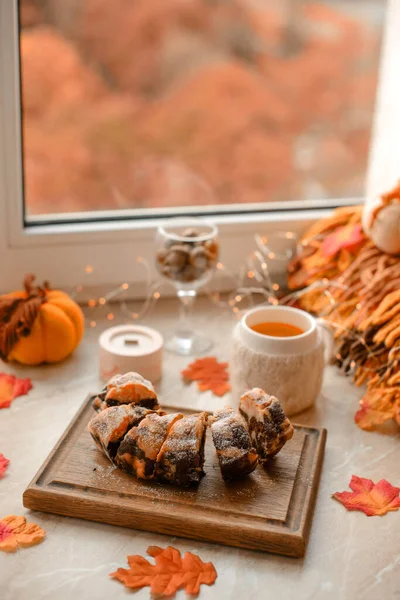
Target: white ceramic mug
(290,368)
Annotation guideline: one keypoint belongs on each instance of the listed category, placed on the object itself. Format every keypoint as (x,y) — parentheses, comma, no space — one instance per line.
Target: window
(250,110)
(158,105)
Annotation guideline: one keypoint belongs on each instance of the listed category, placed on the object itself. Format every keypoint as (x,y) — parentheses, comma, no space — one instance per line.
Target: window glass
(155,104)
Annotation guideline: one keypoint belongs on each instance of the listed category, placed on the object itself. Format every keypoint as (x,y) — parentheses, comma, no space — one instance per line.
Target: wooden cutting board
(270,510)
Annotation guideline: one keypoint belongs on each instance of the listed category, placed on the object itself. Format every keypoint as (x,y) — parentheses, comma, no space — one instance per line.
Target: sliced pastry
(139,449)
(99,402)
(269,427)
(130,388)
(181,457)
(235,452)
(109,427)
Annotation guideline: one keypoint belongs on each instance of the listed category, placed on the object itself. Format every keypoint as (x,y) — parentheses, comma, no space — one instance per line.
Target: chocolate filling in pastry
(181,457)
(109,427)
(269,427)
(130,388)
(139,449)
(235,452)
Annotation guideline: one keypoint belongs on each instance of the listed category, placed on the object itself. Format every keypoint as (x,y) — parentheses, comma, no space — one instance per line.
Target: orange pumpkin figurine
(39,325)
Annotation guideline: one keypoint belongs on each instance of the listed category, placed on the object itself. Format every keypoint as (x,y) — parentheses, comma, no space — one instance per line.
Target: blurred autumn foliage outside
(130,103)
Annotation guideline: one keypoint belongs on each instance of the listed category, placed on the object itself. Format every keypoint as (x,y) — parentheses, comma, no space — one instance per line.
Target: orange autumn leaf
(11,387)
(169,574)
(4,462)
(209,374)
(347,237)
(16,533)
(378,406)
(369,497)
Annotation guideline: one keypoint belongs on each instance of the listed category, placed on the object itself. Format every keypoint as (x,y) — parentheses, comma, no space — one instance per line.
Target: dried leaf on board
(4,462)
(11,387)
(16,533)
(170,573)
(209,374)
(369,497)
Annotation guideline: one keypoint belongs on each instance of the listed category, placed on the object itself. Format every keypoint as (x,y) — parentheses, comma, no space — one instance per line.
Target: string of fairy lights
(115,299)
(253,285)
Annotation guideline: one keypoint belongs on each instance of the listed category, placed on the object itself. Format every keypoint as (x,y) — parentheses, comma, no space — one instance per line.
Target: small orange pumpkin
(39,325)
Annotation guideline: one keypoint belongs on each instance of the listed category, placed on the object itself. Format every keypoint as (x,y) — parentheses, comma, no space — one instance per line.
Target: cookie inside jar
(189,254)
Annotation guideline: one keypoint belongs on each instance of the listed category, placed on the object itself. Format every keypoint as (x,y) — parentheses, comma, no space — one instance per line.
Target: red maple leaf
(4,462)
(347,237)
(369,497)
(11,387)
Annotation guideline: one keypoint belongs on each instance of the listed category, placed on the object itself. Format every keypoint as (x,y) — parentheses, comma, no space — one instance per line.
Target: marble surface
(349,556)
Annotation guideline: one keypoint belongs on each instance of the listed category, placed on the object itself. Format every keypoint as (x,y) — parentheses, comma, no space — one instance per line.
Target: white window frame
(59,252)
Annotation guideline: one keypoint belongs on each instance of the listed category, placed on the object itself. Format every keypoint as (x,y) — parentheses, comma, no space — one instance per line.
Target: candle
(131,348)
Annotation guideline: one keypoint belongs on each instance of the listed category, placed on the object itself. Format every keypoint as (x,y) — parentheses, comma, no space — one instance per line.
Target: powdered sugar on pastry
(254,402)
(269,427)
(235,452)
(130,387)
(110,425)
(139,450)
(181,457)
